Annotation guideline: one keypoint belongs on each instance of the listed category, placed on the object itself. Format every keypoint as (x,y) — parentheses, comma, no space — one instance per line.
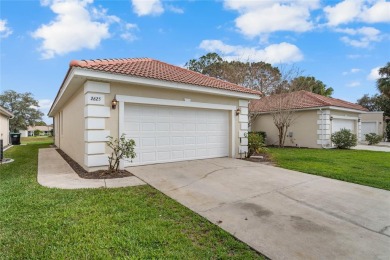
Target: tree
(376,103)
(281,105)
(23,106)
(254,75)
(313,85)
(202,65)
(40,123)
(383,83)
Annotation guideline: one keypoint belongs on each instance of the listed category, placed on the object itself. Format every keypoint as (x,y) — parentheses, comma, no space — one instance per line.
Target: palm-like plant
(383,83)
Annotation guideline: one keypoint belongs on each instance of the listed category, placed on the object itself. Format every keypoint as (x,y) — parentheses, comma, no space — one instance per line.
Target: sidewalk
(55,172)
(372,148)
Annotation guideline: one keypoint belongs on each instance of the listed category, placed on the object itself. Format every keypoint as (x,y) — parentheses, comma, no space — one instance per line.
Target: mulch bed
(267,159)
(100,174)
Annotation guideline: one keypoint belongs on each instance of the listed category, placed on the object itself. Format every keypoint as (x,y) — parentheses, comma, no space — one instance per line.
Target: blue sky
(342,43)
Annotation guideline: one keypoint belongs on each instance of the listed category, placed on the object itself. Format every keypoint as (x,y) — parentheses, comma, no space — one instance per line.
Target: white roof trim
(6,113)
(62,89)
(163,83)
(327,107)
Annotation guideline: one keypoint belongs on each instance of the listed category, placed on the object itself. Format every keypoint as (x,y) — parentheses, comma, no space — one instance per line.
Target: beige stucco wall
(4,129)
(304,129)
(374,117)
(69,122)
(69,127)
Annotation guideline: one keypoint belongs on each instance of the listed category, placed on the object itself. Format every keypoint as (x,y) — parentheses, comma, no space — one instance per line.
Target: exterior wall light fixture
(114,102)
(238,111)
(331,118)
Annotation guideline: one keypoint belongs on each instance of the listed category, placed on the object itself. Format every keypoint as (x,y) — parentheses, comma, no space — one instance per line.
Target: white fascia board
(6,113)
(169,102)
(318,108)
(162,84)
(345,117)
(63,88)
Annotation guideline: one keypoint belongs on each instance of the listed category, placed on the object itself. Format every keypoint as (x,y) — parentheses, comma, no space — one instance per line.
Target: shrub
(344,139)
(262,134)
(373,138)
(388,131)
(121,148)
(37,132)
(255,143)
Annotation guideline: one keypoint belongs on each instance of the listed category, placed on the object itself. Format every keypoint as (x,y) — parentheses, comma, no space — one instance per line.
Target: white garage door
(168,134)
(368,127)
(338,124)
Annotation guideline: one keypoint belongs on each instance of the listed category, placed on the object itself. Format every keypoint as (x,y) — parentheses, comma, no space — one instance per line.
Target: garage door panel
(338,124)
(148,142)
(164,134)
(163,141)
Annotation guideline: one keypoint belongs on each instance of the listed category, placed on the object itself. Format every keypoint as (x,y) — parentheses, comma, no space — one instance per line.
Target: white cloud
(72,29)
(45,104)
(174,9)
(5,31)
(379,12)
(353,84)
(343,12)
(263,17)
(361,37)
(369,11)
(128,32)
(374,74)
(102,13)
(147,7)
(351,71)
(275,53)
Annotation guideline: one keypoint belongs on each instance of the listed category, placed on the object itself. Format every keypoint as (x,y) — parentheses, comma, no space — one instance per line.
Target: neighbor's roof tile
(299,100)
(154,69)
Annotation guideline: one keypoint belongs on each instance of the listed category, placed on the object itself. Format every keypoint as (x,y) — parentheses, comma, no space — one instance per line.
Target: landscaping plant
(373,138)
(255,143)
(344,139)
(388,131)
(121,149)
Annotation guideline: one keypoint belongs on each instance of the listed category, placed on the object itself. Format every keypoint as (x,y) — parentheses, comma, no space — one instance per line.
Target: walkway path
(55,172)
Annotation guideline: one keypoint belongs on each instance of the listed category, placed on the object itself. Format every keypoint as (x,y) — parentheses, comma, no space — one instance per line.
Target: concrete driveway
(282,214)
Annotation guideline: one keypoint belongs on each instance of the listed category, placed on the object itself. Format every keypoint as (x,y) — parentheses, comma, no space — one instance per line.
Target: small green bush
(37,132)
(121,149)
(388,131)
(344,139)
(255,143)
(262,134)
(373,138)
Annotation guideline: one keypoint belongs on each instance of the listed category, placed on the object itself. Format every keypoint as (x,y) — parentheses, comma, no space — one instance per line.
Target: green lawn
(362,167)
(135,222)
(36,139)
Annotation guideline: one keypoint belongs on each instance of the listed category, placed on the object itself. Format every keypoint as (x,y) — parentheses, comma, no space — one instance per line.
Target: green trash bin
(15,138)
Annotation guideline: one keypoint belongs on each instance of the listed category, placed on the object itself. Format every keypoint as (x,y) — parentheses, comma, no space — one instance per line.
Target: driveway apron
(281,213)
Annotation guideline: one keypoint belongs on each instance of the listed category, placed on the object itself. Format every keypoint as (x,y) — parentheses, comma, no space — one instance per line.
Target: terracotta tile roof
(299,100)
(154,69)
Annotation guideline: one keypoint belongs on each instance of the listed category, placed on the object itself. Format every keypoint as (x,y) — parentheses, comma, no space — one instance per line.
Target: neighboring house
(5,116)
(44,130)
(316,118)
(172,113)
(372,122)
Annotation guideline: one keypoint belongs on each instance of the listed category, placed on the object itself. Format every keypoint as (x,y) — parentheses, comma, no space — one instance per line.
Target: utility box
(15,138)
